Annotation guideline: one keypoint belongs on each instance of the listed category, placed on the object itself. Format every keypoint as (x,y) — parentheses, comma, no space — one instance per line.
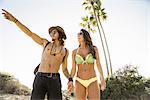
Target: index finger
(5,10)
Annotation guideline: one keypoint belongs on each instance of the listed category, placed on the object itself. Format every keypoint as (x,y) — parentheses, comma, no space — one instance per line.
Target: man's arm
(64,65)
(73,70)
(35,37)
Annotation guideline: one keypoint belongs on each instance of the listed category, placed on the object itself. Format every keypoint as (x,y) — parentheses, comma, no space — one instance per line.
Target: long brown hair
(88,42)
(60,30)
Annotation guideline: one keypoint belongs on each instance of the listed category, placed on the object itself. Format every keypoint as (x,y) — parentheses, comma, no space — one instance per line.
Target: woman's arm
(35,37)
(103,84)
(98,63)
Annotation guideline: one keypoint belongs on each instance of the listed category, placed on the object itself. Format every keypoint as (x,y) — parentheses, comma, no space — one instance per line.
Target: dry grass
(12,89)
(9,84)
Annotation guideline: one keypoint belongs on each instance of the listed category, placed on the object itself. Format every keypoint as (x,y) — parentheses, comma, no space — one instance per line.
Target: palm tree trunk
(101,41)
(106,44)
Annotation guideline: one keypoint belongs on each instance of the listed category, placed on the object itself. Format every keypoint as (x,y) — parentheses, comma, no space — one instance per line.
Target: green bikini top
(88,60)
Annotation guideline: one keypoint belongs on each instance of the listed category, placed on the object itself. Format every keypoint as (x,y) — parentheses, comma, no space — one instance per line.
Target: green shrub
(124,84)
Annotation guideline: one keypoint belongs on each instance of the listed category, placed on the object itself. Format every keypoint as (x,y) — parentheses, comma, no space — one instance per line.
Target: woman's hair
(88,42)
(62,35)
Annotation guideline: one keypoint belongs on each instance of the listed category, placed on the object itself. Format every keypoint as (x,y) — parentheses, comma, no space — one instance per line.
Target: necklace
(54,49)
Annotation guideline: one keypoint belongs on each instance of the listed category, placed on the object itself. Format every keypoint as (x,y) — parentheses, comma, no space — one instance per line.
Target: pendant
(54,49)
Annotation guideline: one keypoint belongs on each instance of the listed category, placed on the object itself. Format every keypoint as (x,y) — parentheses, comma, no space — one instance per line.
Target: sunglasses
(80,33)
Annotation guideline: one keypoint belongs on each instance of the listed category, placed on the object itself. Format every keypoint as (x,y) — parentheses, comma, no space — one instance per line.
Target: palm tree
(101,13)
(93,21)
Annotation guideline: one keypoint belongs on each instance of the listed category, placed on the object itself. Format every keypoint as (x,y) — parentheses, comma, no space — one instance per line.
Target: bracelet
(70,79)
(15,21)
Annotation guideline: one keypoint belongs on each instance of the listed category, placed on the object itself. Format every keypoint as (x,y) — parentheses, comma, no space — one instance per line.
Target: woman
(86,84)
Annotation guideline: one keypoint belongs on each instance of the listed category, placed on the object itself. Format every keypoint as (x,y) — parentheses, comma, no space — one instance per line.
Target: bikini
(88,60)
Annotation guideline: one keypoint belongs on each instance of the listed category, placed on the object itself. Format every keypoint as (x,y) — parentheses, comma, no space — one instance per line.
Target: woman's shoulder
(95,47)
(74,51)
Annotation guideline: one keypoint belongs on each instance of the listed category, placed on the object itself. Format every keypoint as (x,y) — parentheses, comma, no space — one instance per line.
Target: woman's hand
(103,84)
(9,16)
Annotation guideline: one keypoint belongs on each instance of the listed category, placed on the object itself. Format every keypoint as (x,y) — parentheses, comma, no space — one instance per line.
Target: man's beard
(54,40)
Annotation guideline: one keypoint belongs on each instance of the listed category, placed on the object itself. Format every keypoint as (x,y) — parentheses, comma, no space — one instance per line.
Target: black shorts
(47,83)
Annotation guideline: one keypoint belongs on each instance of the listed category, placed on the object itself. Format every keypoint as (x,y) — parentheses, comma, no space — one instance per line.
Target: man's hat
(59,29)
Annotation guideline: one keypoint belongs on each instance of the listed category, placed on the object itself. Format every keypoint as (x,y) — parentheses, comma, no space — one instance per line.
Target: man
(47,80)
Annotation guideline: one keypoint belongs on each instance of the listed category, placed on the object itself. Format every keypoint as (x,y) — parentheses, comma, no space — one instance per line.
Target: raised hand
(9,16)
(23,28)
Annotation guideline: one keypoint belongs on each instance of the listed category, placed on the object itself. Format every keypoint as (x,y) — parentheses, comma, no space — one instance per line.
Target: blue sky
(127,31)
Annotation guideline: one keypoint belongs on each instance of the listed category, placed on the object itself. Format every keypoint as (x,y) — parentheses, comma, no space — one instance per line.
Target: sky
(127,31)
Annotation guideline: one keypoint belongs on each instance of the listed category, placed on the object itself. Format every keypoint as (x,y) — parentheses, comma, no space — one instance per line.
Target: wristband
(70,79)
(15,21)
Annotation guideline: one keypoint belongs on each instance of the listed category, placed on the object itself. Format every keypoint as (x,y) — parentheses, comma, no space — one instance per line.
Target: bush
(4,77)
(124,84)
(9,84)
